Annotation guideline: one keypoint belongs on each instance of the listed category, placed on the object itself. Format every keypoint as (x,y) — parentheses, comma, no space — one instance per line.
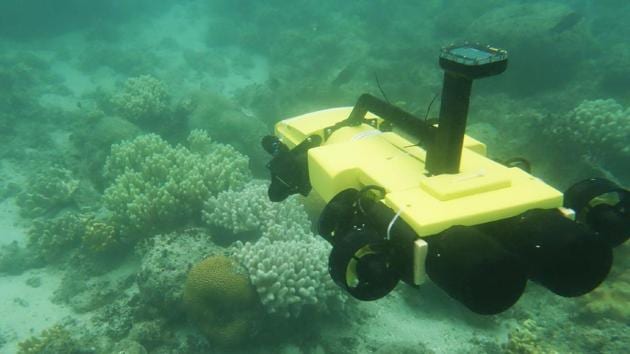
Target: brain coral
(157,186)
(221,300)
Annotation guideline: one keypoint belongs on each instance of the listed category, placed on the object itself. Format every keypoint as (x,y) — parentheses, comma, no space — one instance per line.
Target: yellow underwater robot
(407,199)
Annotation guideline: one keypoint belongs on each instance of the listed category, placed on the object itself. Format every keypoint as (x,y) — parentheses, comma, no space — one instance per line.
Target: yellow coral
(221,300)
(525,339)
(100,238)
(55,339)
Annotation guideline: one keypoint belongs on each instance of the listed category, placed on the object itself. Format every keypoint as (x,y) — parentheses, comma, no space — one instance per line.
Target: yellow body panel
(354,157)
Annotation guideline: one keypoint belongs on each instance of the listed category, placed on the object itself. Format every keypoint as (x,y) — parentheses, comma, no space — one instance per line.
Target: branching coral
(156,186)
(144,99)
(52,238)
(290,276)
(47,191)
(101,238)
(249,209)
(288,264)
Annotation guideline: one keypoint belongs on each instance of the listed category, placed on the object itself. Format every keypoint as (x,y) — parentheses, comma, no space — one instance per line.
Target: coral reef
(527,339)
(221,300)
(143,99)
(166,259)
(50,239)
(249,209)
(101,238)
(115,319)
(288,264)
(290,276)
(47,192)
(159,187)
(598,127)
(56,339)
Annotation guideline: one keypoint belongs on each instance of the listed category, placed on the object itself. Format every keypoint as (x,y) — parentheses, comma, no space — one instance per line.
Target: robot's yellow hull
(358,156)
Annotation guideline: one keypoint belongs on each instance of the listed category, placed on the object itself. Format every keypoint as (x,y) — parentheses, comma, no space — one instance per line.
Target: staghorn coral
(47,191)
(290,276)
(144,99)
(249,209)
(221,300)
(157,186)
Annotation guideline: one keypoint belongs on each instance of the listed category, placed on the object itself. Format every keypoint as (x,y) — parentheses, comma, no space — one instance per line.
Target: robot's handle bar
(406,121)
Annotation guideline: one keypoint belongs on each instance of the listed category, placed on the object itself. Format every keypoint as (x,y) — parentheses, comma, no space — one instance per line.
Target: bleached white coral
(288,265)
(249,209)
(290,276)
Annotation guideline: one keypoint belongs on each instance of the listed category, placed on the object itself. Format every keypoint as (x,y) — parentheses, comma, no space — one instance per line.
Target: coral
(56,339)
(596,126)
(127,346)
(101,238)
(165,262)
(52,238)
(609,300)
(116,318)
(249,209)
(47,191)
(290,276)
(288,264)
(156,186)
(149,334)
(526,339)
(144,99)
(221,300)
